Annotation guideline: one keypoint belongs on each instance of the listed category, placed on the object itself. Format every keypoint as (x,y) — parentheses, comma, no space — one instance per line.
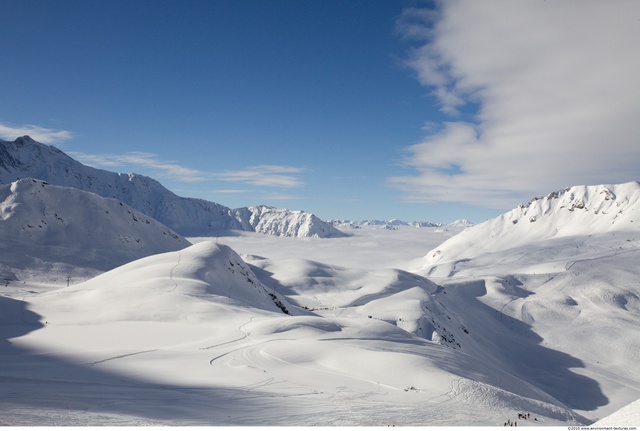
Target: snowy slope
(25,157)
(194,337)
(626,416)
(543,330)
(561,271)
(46,228)
(469,318)
(575,212)
(195,283)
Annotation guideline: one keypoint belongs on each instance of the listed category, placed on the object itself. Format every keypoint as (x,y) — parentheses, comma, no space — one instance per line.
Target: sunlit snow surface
(199,336)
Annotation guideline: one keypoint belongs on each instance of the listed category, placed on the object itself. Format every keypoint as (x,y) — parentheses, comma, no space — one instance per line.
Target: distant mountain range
(26,158)
(395,223)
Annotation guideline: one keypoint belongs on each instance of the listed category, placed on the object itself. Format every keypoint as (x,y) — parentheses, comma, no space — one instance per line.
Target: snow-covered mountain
(565,267)
(464,223)
(26,158)
(64,230)
(396,222)
(283,222)
(574,212)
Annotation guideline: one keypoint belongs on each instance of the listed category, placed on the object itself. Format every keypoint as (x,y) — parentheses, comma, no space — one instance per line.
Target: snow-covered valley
(108,317)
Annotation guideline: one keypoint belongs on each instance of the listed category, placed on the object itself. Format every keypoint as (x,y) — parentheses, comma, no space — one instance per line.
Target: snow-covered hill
(26,158)
(197,283)
(68,232)
(197,337)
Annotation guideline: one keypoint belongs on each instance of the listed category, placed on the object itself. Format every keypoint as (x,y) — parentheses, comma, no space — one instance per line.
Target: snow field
(163,331)
(194,337)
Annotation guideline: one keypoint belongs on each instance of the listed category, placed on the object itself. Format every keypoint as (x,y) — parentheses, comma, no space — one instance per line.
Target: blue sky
(348,109)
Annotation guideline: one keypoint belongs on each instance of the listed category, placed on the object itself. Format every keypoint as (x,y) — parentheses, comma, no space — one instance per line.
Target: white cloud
(37,133)
(265,175)
(557,87)
(231,191)
(146,160)
(281,197)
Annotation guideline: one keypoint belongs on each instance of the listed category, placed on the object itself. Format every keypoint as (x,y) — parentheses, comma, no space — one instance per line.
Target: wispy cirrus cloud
(556,89)
(282,197)
(167,169)
(265,175)
(231,191)
(40,134)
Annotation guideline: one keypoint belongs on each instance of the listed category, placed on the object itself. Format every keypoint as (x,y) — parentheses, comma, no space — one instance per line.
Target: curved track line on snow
(245,334)
(570,264)
(91,364)
(175,284)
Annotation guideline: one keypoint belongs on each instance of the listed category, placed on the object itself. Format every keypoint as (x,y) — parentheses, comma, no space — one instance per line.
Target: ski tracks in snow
(175,284)
(91,364)
(254,355)
(617,251)
(245,334)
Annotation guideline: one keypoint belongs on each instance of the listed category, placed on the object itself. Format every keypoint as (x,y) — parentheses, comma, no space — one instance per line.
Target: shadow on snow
(514,347)
(52,389)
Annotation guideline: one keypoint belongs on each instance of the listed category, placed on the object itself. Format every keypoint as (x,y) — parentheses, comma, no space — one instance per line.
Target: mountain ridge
(578,211)
(27,158)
